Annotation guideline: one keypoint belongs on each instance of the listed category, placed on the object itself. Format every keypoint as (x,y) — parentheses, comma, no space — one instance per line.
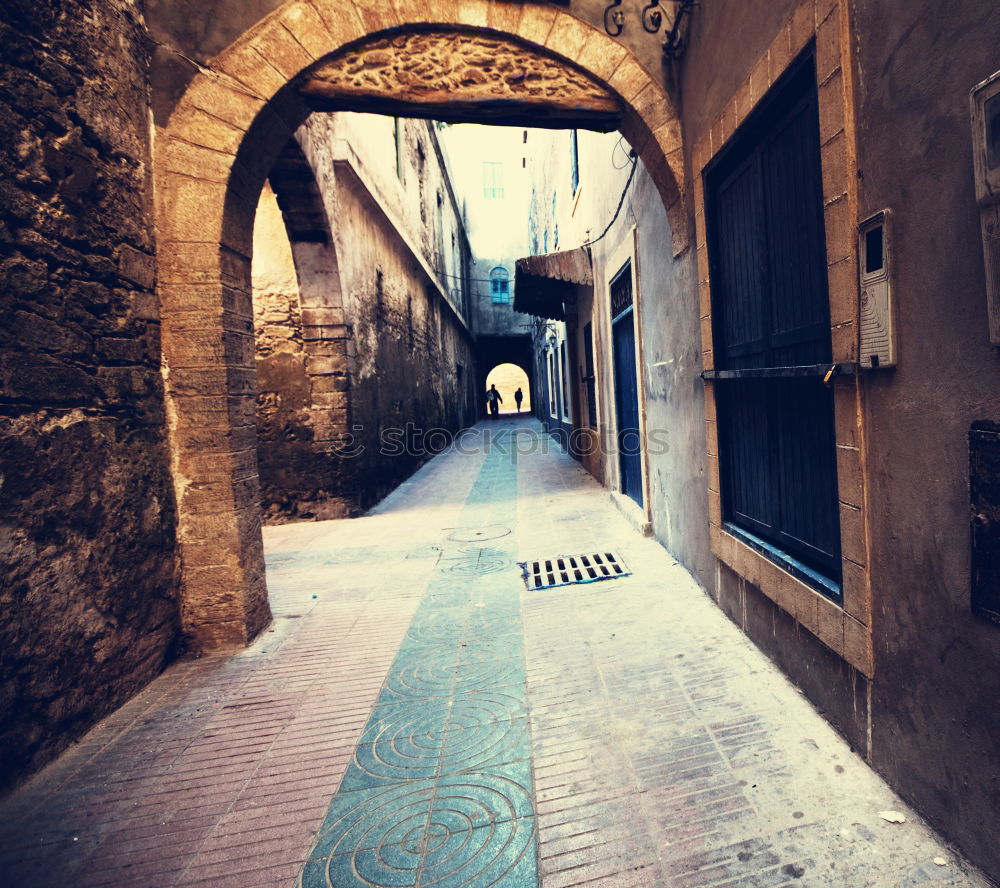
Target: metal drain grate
(565,570)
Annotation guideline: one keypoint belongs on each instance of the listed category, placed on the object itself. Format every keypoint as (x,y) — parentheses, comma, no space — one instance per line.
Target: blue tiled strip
(439,791)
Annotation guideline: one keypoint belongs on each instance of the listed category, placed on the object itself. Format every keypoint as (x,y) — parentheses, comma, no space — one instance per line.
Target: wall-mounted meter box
(986,156)
(877,342)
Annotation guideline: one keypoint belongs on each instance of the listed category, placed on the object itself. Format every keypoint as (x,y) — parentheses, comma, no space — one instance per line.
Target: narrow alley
(329,329)
(416,717)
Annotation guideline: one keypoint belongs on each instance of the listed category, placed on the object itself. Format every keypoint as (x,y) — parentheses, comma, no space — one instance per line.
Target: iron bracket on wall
(652,18)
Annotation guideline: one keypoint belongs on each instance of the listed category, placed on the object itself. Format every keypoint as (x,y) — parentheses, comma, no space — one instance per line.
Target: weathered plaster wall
(935,721)
(667,308)
(88,606)
(403,257)
(675,404)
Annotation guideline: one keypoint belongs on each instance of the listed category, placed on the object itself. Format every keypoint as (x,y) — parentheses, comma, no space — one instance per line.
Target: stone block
(849,479)
(858,646)
(183,157)
(305,24)
(833,157)
(536,23)
(760,79)
(828,55)
(714,482)
(831,107)
(857,601)
(225,98)
(188,263)
(326,366)
(201,128)
(323,317)
(473,13)
(830,624)
(247,66)
(334,400)
(504,16)
(136,266)
(706,334)
(714,508)
(842,284)
(807,608)
(846,419)
(802,26)
(839,230)
(780,52)
(742,103)
(600,55)
(278,46)
(568,36)
(629,79)
(192,209)
(852,534)
(658,114)
(844,339)
(343,21)
(704,288)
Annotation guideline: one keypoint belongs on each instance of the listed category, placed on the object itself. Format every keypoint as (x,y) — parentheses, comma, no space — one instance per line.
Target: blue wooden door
(627,406)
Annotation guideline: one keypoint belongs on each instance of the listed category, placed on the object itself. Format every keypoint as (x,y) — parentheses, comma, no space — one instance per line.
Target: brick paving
(664,748)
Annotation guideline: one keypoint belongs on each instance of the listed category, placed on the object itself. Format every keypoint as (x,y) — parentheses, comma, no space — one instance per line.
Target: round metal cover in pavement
(478,534)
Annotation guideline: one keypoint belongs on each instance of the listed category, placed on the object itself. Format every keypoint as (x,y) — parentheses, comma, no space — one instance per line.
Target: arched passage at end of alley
(221,142)
(744,254)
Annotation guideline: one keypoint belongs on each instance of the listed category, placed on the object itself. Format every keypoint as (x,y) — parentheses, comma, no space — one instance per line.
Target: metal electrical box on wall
(877,346)
(986,155)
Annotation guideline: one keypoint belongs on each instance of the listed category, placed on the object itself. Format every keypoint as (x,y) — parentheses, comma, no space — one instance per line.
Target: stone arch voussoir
(210,163)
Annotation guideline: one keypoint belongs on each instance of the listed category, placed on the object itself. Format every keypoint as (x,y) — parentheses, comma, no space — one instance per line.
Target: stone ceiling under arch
(458,76)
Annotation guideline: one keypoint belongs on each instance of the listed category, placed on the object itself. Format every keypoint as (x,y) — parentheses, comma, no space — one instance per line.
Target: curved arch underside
(457,77)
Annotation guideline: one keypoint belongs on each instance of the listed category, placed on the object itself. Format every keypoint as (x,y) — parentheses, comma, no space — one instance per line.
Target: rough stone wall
(407,347)
(407,341)
(88,608)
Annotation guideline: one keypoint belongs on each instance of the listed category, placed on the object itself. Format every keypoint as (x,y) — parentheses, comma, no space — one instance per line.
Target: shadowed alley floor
(414,717)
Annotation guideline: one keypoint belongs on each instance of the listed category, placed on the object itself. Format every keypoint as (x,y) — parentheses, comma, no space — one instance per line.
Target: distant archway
(508,378)
(221,142)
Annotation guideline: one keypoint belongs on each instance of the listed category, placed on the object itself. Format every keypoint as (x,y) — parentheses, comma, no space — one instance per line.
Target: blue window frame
(500,285)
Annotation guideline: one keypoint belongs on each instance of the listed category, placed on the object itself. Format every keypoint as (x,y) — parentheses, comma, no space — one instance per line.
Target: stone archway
(302,357)
(218,147)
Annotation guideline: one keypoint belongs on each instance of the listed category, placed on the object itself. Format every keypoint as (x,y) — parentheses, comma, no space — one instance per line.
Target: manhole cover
(476,561)
(478,534)
(566,570)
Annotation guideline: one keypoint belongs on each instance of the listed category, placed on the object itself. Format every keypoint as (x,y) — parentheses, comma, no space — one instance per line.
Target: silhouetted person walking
(494,400)
(518,398)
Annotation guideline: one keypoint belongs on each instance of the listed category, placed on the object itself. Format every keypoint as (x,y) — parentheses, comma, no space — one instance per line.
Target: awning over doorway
(544,285)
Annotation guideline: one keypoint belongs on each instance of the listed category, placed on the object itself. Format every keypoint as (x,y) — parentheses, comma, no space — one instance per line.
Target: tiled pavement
(415,718)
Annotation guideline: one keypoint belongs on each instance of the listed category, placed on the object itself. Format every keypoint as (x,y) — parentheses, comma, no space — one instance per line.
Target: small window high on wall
(493,179)
(500,285)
